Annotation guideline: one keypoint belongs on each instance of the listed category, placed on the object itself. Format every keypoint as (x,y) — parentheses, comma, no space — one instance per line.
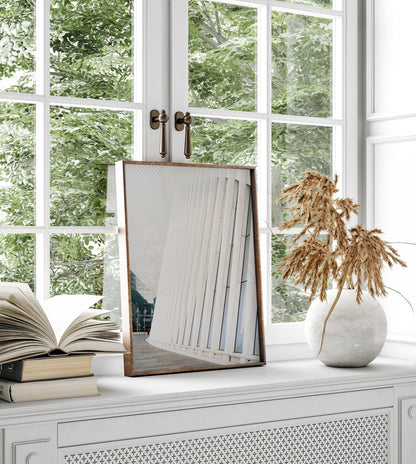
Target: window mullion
(179,74)
(138,135)
(156,72)
(138,53)
(42,263)
(265,146)
(42,266)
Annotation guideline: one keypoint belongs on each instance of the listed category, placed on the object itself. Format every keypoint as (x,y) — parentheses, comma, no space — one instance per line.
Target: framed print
(189,265)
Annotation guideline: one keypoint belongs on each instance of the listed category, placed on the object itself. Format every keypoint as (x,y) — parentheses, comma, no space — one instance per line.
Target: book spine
(6,392)
(12,371)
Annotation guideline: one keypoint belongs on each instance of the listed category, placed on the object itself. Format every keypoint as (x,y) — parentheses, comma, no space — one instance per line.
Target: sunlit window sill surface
(276,380)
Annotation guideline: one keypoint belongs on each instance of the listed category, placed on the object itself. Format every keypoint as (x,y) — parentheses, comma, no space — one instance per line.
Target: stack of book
(47,377)
(46,350)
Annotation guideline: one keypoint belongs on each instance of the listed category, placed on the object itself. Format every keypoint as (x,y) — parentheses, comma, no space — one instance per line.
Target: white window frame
(161,83)
(345,124)
(43,101)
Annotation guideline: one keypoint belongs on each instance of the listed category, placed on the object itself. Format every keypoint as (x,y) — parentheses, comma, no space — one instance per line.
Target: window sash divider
(58,230)
(256,116)
(298,8)
(277,231)
(114,105)
(42,165)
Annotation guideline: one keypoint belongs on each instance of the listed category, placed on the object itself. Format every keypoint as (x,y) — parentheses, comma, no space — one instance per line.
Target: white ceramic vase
(355,333)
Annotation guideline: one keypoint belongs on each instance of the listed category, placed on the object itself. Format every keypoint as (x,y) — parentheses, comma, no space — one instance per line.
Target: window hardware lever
(184,121)
(157,119)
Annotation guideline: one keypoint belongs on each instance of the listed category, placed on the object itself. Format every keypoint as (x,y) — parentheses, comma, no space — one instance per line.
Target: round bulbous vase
(355,333)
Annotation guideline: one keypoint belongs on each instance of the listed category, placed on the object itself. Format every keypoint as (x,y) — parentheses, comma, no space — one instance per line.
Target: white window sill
(404,350)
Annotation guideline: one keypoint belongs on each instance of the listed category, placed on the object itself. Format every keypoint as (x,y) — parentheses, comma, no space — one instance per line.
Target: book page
(95,344)
(104,330)
(20,349)
(13,319)
(63,310)
(19,304)
(22,296)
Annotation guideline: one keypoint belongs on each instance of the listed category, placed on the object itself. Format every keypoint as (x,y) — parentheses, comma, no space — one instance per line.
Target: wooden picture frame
(189,267)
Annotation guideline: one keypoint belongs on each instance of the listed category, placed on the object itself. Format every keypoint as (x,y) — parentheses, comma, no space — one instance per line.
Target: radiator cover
(353,440)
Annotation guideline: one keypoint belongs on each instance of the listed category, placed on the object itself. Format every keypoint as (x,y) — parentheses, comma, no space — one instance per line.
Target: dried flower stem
(276,236)
(401,294)
(327,317)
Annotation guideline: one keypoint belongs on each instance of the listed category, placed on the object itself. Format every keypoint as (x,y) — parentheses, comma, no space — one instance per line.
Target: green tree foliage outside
(289,302)
(222,75)
(91,43)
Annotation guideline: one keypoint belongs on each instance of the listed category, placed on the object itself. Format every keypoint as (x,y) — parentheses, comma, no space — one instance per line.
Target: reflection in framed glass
(190,271)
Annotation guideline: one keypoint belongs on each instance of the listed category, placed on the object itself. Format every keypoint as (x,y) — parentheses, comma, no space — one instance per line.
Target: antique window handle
(157,119)
(182,121)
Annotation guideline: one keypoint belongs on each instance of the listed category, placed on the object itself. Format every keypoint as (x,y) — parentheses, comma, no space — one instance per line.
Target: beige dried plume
(326,248)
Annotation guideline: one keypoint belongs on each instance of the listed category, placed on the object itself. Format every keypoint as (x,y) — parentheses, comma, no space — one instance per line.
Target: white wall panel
(391,54)
(391,197)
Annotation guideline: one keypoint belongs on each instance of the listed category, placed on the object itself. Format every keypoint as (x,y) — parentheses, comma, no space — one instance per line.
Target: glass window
(301,65)
(56,150)
(17,46)
(17,161)
(222,55)
(84,141)
(265,89)
(91,49)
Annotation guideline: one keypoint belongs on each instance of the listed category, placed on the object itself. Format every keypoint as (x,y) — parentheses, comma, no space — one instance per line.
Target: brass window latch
(157,119)
(184,121)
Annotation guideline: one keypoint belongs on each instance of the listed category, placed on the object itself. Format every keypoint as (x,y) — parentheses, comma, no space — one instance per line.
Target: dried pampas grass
(352,257)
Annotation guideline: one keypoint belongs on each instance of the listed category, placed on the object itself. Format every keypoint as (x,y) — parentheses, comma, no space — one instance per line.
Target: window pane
(222,55)
(301,65)
(87,264)
(296,149)
(17,164)
(77,264)
(289,303)
(111,278)
(17,46)
(332,4)
(224,141)
(17,258)
(91,48)
(83,142)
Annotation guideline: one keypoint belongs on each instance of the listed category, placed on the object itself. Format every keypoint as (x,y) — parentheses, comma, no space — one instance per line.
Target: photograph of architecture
(192,266)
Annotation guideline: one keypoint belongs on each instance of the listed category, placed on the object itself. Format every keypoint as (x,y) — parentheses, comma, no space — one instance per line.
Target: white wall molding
(372,115)
(372,143)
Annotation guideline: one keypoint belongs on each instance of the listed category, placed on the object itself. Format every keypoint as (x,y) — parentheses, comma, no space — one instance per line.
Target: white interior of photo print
(192,267)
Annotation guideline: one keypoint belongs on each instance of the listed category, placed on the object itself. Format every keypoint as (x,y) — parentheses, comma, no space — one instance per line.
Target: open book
(64,323)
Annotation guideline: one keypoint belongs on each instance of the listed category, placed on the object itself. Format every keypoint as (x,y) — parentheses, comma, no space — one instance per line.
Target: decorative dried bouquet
(326,249)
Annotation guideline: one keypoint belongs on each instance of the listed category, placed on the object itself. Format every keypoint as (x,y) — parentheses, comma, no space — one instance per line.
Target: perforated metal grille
(359,440)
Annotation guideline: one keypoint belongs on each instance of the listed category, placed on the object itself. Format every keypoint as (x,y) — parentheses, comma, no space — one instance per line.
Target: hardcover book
(14,392)
(47,368)
(63,324)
